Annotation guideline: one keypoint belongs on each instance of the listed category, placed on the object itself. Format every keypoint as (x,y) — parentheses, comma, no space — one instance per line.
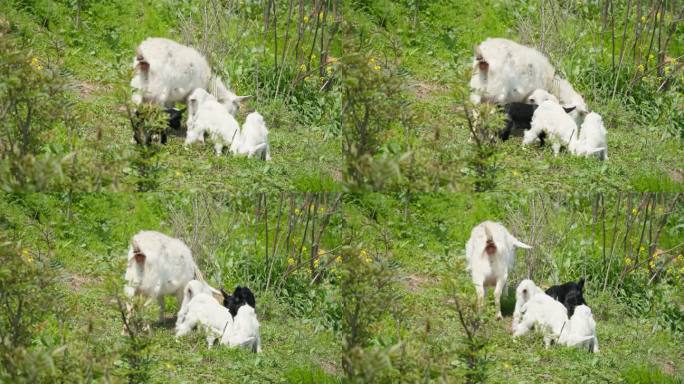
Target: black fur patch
(570,294)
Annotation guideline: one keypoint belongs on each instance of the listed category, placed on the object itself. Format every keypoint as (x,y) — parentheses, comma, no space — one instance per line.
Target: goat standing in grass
(490,253)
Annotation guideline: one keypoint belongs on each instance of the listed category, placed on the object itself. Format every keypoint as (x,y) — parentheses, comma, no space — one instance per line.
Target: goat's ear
(240,99)
(580,283)
(569,109)
(225,294)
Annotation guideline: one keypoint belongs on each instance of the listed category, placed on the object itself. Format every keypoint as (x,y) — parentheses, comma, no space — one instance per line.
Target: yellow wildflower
(306,19)
(642,248)
(651,57)
(321,252)
(304,249)
(635,211)
(643,19)
(35,63)
(178,173)
(321,210)
(651,263)
(628,261)
(376,68)
(298,212)
(320,16)
(371,60)
(516,173)
(338,259)
(363,253)
(329,70)
(316,263)
(290,261)
(680,257)
(641,68)
(26,255)
(681,271)
(667,70)
(302,68)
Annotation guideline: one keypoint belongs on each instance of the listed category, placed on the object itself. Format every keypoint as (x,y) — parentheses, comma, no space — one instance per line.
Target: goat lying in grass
(569,294)
(550,317)
(193,288)
(490,253)
(242,330)
(158,265)
(519,117)
(551,118)
(525,291)
(252,140)
(593,135)
(206,114)
(241,296)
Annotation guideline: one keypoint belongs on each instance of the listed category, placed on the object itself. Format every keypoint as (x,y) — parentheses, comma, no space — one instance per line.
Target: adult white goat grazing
(525,291)
(193,288)
(158,265)
(505,72)
(592,137)
(546,314)
(166,72)
(490,252)
(580,330)
(253,139)
(206,114)
(241,331)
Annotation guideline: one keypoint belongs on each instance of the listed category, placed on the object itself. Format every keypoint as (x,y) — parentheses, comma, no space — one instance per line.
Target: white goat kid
(193,288)
(545,314)
(592,138)
(167,72)
(158,265)
(206,114)
(490,253)
(203,310)
(552,119)
(245,330)
(505,72)
(580,330)
(253,139)
(525,291)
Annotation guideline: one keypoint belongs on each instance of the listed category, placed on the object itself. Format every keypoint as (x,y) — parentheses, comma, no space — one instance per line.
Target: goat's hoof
(499,317)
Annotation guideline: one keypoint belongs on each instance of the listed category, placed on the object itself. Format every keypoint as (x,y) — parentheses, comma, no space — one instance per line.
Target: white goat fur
(546,314)
(253,138)
(560,127)
(568,97)
(580,330)
(592,137)
(166,72)
(505,71)
(206,114)
(525,291)
(193,288)
(490,253)
(241,331)
(158,265)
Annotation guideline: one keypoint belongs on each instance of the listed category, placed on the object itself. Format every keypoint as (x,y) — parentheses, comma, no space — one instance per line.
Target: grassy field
(417,245)
(89,47)
(428,47)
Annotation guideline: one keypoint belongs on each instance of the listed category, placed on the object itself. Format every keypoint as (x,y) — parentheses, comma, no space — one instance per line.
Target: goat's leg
(162,306)
(480,290)
(500,284)
(556,148)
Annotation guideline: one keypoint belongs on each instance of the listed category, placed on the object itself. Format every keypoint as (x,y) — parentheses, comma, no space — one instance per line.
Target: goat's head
(240,297)
(141,63)
(138,255)
(538,96)
(575,297)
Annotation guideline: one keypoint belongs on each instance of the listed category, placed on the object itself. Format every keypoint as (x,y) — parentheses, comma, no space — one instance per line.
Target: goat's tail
(519,243)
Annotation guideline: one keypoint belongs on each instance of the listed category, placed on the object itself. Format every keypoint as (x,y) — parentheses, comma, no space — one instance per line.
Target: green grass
(95,56)
(433,50)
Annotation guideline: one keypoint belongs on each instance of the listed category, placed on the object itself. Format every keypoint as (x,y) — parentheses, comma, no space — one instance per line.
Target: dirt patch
(676,174)
(414,282)
(668,367)
(424,90)
(329,367)
(86,89)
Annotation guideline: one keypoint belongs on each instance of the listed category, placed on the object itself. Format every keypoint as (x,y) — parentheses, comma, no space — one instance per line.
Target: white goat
(505,72)
(490,252)
(206,114)
(552,119)
(167,72)
(158,265)
(525,291)
(205,311)
(193,288)
(569,98)
(253,139)
(592,137)
(241,331)
(546,314)
(580,330)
